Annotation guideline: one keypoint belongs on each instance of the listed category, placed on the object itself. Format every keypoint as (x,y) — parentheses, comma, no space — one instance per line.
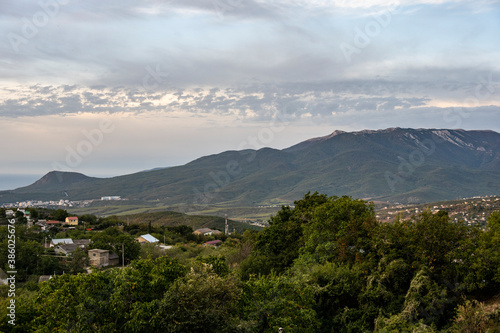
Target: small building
(42,224)
(60,241)
(82,243)
(44,278)
(65,249)
(215,243)
(111,197)
(114,260)
(206,232)
(52,223)
(147,239)
(102,258)
(72,220)
(9,212)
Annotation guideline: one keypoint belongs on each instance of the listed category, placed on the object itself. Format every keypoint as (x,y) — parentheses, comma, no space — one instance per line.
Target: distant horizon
(14,181)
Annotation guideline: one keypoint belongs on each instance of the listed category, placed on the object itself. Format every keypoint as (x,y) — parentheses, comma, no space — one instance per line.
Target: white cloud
(210,73)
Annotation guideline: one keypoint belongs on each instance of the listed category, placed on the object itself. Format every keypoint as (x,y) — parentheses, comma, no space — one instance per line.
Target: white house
(147,238)
(58,241)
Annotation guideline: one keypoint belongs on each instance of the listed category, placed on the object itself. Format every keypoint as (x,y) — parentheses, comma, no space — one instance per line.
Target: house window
(94,254)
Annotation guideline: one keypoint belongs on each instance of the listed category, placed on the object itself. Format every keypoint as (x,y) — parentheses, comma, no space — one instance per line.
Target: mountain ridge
(394,164)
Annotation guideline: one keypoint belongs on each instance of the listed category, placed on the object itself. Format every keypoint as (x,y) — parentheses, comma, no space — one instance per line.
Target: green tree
(202,301)
(340,231)
(131,247)
(337,290)
(49,265)
(217,263)
(278,245)
(278,301)
(27,257)
(60,215)
(78,260)
(25,310)
(139,289)
(75,303)
(472,317)
(479,260)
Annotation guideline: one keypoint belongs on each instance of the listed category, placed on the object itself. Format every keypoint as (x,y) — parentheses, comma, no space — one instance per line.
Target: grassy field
(243,214)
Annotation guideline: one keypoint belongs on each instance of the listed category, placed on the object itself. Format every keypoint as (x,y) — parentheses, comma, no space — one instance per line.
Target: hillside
(396,165)
(173,219)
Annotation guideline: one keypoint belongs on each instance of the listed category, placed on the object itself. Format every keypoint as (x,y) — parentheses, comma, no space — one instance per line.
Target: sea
(13,181)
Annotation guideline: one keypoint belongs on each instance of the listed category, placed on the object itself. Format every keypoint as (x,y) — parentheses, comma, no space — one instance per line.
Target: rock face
(395,164)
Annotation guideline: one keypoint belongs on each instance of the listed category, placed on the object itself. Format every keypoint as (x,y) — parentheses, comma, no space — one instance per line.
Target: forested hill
(325,265)
(396,164)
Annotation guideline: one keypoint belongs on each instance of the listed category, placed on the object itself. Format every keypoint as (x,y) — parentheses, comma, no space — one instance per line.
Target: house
(102,258)
(9,212)
(59,241)
(112,197)
(65,249)
(52,223)
(206,232)
(44,278)
(82,243)
(145,239)
(215,243)
(114,260)
(72,220)
(42,224)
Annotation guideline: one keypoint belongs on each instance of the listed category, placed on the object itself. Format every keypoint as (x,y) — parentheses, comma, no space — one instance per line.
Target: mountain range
(396,164)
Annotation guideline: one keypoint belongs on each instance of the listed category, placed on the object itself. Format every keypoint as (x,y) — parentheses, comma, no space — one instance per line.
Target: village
(88,247)
(472,211)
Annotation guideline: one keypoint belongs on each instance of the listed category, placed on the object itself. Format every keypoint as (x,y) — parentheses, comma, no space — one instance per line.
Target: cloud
(255,101)
(235,65)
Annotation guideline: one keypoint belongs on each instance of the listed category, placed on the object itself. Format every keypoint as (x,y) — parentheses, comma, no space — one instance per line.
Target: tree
(27,254)
(88,218)
(139,289)
(78,260)
(130,245)
(472,317)
(76,303)
(202,301)
(273,301)
(48,265)
(60,214)
(340,230)
(217,263)
(281,241)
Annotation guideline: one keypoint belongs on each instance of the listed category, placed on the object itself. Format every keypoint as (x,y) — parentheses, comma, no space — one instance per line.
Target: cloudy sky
(114,87)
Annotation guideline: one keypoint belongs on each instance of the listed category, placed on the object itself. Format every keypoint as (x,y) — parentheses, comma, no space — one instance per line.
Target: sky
(113,87)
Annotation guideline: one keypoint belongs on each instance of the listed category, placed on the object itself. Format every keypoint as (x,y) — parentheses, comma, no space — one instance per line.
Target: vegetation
(326,265)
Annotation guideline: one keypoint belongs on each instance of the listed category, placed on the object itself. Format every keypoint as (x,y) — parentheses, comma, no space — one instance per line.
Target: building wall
(99,258)
(71,221)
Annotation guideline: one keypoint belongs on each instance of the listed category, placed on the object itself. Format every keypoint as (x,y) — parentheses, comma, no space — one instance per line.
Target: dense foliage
(325,265)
